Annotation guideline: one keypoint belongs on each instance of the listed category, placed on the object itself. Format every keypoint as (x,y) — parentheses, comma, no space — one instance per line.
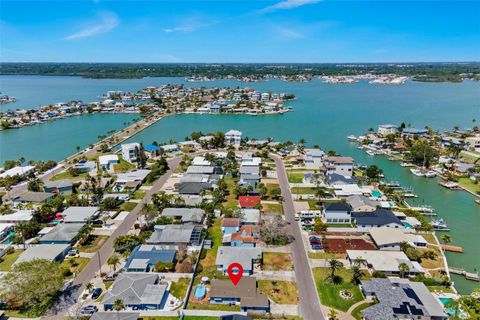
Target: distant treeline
(430,72)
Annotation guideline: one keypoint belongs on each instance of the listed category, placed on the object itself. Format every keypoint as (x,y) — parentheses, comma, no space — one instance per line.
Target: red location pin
(235,272)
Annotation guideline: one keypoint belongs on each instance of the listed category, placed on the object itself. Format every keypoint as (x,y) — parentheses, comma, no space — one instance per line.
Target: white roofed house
(107,160)
(130,152)
(80,214)
(339,165)
(18,171)
(392,238)
(387,262)
(386,129)
(313,158)
(233,137)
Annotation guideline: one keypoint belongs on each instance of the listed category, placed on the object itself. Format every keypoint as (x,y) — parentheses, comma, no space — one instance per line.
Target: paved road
(72,292)
(309,301)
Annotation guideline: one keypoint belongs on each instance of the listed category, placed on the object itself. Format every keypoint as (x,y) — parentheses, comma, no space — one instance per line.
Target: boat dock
(468,275)
(448,247)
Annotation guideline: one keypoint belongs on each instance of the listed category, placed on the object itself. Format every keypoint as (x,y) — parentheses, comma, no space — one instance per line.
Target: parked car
(72,253)
(96,293)
(88,310)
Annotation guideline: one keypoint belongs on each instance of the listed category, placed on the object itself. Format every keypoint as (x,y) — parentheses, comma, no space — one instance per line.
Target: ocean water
(324,115)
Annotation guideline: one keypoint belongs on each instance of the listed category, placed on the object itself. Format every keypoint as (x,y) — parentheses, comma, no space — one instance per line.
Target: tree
(422,153)
(113,261)
(78,148)
(373,172)
(32,285)
(35,184)
(334,265)
(356,274)
(319,226)
(404,269)
(118,306)
(446,238)
(164,266)
(89,287)
(332,314)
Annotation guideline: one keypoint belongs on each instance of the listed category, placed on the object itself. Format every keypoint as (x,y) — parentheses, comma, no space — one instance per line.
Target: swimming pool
(376,194)
(407,225)
(199,292)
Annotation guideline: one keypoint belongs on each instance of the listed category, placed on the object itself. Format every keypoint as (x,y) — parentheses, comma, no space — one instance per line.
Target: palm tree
(334,266)
(113,261)
(404,269)
(117,306)
(89,287)
(78,148)
(446,238)
(21,160)
(332,314)
(356,274)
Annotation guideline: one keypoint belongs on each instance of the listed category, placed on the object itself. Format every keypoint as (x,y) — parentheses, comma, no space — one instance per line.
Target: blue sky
(239,31)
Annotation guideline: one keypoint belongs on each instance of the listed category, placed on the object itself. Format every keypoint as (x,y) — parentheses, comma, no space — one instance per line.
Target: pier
(468,275)
(447,247)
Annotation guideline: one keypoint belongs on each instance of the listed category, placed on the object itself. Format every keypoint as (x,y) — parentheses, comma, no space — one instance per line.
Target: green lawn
(128,206)
(469,184)
(93,244)
(325,255)
(9,260)
(17,314)
(230,201)
(275,261)
(330,293)
(295,178)
(300,190)
(67,175)
(439,289)
(139,194)
(209,269)
(123,166)
(283,292)
(356,312)
(81,263)
(205,306)
(179,288)
(272,208)
(313,205)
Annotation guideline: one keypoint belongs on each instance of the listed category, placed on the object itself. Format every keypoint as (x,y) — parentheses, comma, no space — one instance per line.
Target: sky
(280,31)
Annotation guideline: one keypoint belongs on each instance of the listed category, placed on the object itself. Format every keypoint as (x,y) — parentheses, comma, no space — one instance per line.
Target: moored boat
(417,172)
(430,174)
(439,224)
(352,138)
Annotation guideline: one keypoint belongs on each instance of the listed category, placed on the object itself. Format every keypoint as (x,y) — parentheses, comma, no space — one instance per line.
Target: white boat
(417,172)
(352,138)
(406,164)
(370,153)
(430,174)
(439,224)
(410,195)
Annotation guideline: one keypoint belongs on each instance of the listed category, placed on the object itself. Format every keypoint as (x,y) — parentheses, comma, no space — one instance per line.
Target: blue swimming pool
(376,194)
(407,225)
(199,292)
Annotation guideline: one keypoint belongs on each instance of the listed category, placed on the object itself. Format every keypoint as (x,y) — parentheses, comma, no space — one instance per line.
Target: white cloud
(108,22)
(288,33)
(287,4)
(189,25)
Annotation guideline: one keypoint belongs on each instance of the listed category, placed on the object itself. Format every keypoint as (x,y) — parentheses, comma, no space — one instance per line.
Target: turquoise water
(199,292)
(407,225)
(324,114)
(376,194)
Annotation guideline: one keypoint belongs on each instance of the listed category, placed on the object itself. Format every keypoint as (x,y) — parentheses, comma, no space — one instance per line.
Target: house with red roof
(249,201)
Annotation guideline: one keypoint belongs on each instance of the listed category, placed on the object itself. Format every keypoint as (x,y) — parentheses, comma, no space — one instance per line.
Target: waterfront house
(64,187)
(411,132)
(233,137)
(137,291)
(392,238)
(360,203)
(386,129)
(313,158)
(387,262)
(335,179)
(339,165)
(245,294)
(63,233)
(337,212)
(376,219)
(144,258)
(33,197)
(245,256)
(170,148)
(131,152)
(18,171)
(473,142)
(176,234)
(107,161)
(400,299)
(80,214)
(152,150)
(85,166)
(230,225)
(249,201)
(185,215)
(50,252)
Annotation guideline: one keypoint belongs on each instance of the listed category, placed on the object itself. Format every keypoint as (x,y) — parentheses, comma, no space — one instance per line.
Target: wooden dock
(468,275)
(448,247)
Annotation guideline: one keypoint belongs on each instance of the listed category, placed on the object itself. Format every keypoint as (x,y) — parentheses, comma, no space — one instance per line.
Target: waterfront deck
(468,275)
(447,247)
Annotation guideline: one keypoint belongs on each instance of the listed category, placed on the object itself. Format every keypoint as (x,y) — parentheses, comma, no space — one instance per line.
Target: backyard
(274,261)
(283,292)
(276,208)
(9,259)
(295,178)
(179,288)
(93,244)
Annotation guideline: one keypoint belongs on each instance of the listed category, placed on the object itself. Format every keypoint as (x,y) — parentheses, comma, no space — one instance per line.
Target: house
(107,161)
(410,132)
(473,142)
(392,238)
(360,203)
(132,176)
(33,197)
(400,299)
(80,214)
(176,234)
(186,215)
(245,256)
(200,170)
(230,225)
(192,188)
(246,237)
(152,150)
(85,166)
(249,160)
(250,216)
(59,186)
(201,161)
(233,137)
(144,258)
(249,180)
(18,171)
(346,190)
(249,201)
(313,158)
(339,165)
(335,179)
(17,216)
(170,148)
(387,262)
(63,233)
(50,252)
(138,291)
(337,212)
(376,219)
(245,294)
(131,152)
(386,129)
